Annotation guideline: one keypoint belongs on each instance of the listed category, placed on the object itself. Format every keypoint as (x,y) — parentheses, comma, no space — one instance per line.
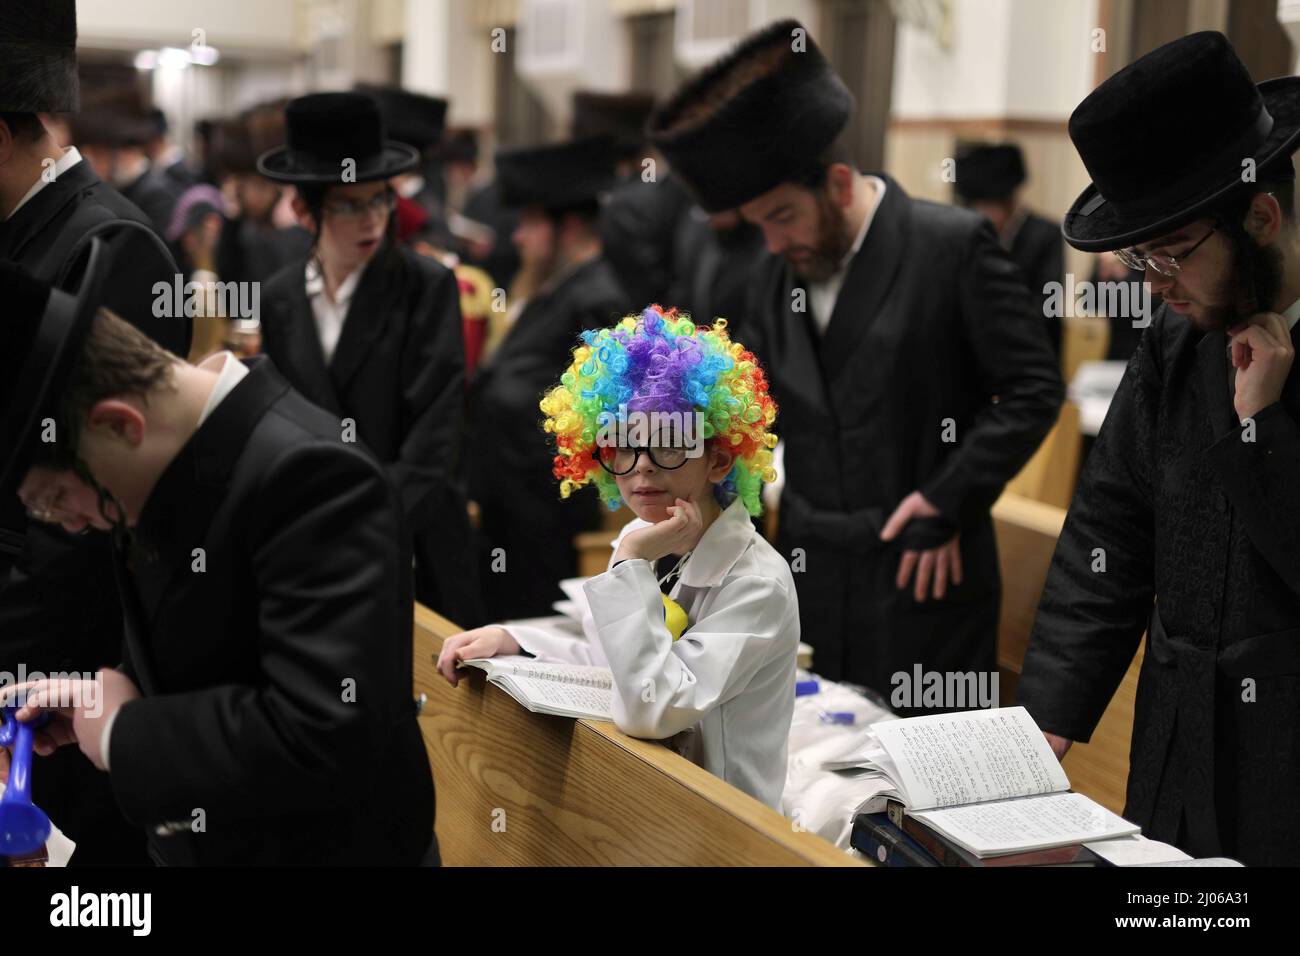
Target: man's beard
(1250,287)
(825,257)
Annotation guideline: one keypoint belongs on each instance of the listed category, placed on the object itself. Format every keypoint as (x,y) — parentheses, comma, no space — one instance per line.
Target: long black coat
(1204,526)
(1039,251)
(277,677)
(932,322)
(58,605)
(399,372)
(510,457)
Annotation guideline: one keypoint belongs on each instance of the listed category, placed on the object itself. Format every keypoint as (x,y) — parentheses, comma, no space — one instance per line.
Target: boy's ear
(720,462)
(1264,218)
(119,417)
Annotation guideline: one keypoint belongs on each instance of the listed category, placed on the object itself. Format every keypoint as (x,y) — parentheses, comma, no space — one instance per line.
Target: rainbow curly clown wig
(663,362)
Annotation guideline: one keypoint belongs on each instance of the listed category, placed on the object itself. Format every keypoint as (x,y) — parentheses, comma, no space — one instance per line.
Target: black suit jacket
(399,372)
(1039,252)
(1183,529)
(932,322)
(277,673)
(524,519)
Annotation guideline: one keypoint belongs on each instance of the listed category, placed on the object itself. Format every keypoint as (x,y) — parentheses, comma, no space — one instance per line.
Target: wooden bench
(523,789)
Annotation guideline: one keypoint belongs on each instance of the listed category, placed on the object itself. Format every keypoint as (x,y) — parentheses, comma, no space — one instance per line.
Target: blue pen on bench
(803,688)
(845,717)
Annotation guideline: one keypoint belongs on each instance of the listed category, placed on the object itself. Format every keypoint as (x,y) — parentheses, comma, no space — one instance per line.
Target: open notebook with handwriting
(564,690)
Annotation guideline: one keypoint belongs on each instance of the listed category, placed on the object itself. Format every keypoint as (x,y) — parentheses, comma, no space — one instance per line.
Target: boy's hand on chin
(678,533)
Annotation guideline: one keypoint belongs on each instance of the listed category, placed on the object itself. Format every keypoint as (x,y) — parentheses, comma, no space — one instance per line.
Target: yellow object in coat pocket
(674,617)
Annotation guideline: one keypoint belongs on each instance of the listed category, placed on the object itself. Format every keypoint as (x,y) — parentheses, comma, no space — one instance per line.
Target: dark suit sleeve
(1090,620)
(1014,362)
(1048,266)
(1262,480)
(433,399)
(324,554)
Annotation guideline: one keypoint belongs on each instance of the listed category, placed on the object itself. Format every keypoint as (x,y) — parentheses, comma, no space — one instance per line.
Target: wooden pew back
(522,789)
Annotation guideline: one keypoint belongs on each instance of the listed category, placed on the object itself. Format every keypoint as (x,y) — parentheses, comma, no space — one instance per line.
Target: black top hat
(38,57)
(554,177)
(40,340)
(621,116)
(322,130)
(989,171)
(410,117)
(754,119)
(1168,137)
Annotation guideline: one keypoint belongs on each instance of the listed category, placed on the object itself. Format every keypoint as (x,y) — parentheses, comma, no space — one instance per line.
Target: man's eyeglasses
(1165,265)
(620,461)
(351,209)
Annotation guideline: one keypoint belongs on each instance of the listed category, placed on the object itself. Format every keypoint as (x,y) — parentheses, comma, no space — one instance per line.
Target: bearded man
(913,373)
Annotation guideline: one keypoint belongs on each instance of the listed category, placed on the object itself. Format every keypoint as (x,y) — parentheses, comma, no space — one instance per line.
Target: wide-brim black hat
(323,131)
(40,341)
(412,118)
(620,116)
(1170,136)
(754,119)
(989,171)
(38,57)
(554,177)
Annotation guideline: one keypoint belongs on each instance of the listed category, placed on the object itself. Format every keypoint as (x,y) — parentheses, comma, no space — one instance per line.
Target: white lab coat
(724,692)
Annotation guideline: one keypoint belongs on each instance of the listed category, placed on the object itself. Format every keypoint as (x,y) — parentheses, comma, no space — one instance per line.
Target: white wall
(248,25)
(1022,58)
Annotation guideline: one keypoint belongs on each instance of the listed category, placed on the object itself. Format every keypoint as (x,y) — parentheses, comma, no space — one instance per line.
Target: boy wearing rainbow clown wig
(696,616)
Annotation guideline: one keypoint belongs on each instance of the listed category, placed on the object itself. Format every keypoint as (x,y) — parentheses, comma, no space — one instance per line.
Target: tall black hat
(40,339)
(621,116)
(322,130)
(1168,137)
(410,117)
(38,57)
(989,171)
(554,177)
(754,119)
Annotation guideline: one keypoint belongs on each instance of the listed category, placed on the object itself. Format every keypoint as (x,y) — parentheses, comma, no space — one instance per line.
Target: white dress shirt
(724,692)
(231,372)
(824,294)
(330,313)
(65,162)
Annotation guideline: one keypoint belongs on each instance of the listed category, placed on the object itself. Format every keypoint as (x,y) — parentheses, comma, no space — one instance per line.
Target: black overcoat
(277,673)
(399,372)
(1203,527)
(934,374)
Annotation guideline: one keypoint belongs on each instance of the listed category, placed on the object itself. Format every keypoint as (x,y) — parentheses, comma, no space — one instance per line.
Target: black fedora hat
(989,171)
(754,119)
(40,339)
(553,177)
(412,118)
(1168,137)
(323,130)
(38,57)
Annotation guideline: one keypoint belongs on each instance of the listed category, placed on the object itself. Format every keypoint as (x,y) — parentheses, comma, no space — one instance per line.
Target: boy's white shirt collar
(719,549)
(231,373)
(65,162)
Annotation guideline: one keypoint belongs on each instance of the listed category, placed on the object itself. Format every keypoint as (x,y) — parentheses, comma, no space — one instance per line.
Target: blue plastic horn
(24,827)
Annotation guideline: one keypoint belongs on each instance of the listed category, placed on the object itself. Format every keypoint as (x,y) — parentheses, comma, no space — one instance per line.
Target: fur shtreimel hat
(754,119)
(38,57)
